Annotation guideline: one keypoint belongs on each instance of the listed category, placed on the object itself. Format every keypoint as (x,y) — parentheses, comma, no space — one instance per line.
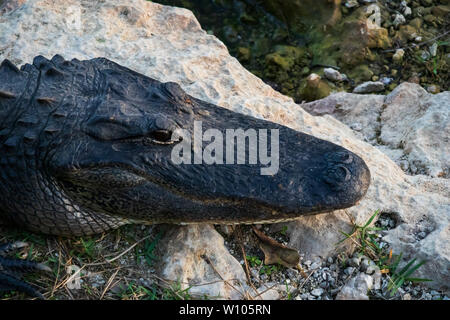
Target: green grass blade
(395,264)
(418,279)
(405,268)
(417,266)
(371,219)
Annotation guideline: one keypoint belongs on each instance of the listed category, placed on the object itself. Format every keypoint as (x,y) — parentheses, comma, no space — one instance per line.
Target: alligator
(85,147)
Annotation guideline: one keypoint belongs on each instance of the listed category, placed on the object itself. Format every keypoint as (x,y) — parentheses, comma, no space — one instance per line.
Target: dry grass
(115,265)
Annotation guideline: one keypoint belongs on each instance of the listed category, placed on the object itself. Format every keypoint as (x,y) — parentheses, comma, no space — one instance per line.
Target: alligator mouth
(186,194)
(124,177)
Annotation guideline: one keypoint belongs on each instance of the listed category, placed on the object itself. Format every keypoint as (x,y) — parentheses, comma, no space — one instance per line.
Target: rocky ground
(401,134)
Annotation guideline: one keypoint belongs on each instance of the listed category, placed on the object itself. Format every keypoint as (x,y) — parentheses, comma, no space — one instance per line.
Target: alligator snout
(348,174)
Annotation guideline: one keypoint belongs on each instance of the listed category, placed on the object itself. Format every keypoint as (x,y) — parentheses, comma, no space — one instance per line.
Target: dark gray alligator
(85,147)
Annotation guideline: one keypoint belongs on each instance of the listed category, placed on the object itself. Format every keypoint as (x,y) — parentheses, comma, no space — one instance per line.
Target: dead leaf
(275,252)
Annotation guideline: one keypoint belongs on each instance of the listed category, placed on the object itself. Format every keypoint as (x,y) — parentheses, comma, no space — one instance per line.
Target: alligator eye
(161,135)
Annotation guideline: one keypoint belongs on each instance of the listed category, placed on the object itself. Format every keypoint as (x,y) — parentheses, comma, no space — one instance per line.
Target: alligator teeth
(40,61)
(58,59)
(51,130)
(28,120)
(45,100)
(54,72)
(12,142)
(60,114)
(30,136)
(6,64)
(6,94)
(4,132)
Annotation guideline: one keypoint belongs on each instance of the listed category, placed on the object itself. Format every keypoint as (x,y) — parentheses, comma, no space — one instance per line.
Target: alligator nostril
(340,157)
(336,175)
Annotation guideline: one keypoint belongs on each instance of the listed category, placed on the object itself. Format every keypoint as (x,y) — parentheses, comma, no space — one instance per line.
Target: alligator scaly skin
(85,147)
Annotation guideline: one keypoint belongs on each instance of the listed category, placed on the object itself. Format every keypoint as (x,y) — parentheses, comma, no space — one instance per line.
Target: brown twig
(419,44)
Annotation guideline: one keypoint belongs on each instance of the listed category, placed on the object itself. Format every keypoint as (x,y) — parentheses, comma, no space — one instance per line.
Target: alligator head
(109,141)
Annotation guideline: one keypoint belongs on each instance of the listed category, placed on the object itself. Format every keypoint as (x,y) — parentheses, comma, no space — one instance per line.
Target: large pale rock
(168,44)
(418,123)
(409,124)
(196,257)
(351,109)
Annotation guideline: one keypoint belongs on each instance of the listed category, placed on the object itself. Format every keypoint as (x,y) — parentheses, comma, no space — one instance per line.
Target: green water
(283,48)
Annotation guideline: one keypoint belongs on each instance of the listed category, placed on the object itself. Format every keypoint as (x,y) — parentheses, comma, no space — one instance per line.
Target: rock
(430,19)
(314,88)
(413,125)
(352,39)
(405,33)
(425,55)
(386,80)
(369,87)
(351,4)
(244,54)
(398,20)
(332,74)
(407,11)
(285,57)
(356,126)
(354,262)
(326,12)
(424,130)
(433,89)
(416,23)
(364,265)
(441,11)
(356,288)
(168,44)
(361,73)
(270,291)
(406,296)
(292,273)
(349,271)
(433,49)
(317,292)
(196,255)
(351,108)
(374,271)
(398,55)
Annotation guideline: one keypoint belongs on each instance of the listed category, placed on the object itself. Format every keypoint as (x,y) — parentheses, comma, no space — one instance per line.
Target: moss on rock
(314,88)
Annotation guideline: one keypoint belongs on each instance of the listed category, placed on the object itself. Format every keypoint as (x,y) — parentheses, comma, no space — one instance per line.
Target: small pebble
(348,271)
(433,89)
(315,266)
(356,126)
(317,292)
(354,262)
(398,20)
